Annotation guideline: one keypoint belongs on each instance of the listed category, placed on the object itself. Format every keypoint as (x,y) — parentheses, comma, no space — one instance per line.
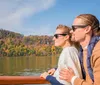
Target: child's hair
(66,30)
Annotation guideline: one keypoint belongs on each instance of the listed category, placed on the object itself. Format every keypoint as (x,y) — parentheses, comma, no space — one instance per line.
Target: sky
(41,17)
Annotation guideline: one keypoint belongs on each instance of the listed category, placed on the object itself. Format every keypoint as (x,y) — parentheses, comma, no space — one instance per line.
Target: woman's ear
(66,37)
(88,29)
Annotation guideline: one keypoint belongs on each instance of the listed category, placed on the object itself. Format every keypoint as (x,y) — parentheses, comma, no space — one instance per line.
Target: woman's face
(59,38)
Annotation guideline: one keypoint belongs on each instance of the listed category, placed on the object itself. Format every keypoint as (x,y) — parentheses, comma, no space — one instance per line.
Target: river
(26,65)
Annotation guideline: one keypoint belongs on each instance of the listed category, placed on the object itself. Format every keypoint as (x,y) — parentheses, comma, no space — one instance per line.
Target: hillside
(16,44)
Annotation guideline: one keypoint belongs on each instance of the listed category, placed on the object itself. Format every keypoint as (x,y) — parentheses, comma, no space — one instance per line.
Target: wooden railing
(22,80)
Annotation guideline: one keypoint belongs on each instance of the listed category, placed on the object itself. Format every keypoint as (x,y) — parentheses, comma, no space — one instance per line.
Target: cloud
(13,12)
(41,30)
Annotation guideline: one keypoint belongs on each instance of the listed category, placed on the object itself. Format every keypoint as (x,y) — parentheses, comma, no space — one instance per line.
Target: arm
(53,80)
(50,78)
(72,61)
(68,74)
(51,71)
(95,63)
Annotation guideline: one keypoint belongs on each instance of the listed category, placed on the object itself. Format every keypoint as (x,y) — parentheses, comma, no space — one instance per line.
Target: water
(27,65)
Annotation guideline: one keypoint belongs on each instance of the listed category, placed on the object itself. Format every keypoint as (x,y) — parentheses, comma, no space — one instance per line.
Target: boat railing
(13,80)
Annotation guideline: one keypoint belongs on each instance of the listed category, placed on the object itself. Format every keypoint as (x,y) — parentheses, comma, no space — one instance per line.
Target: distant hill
(16,44)
(31,39)
(6,34)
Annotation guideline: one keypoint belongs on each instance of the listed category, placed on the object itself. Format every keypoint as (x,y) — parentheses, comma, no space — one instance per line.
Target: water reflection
(28,66)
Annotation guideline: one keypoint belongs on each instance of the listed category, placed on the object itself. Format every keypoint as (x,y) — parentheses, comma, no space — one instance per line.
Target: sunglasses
(74,27)
(57,35)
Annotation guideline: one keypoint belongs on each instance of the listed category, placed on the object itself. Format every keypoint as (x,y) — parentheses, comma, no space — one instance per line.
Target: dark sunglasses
(57,35)
(74,27)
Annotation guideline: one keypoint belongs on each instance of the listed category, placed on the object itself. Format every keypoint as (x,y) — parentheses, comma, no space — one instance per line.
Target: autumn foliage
(16,44)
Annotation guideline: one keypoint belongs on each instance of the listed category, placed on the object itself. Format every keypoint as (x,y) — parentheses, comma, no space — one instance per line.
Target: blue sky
(41,17)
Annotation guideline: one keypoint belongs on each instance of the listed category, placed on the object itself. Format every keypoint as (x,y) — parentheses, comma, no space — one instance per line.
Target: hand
(44,75)
(51,71)
(67,74)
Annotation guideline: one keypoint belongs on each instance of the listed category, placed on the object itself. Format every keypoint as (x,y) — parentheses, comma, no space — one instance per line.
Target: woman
(68,56)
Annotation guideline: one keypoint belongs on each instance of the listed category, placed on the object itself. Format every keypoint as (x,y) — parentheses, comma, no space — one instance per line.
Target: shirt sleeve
(53,80)
(71,60)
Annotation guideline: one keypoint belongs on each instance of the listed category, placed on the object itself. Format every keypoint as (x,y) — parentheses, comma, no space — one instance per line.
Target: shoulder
(70,49)
(95,61)
(97,47)
(70,52)
(96,54)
